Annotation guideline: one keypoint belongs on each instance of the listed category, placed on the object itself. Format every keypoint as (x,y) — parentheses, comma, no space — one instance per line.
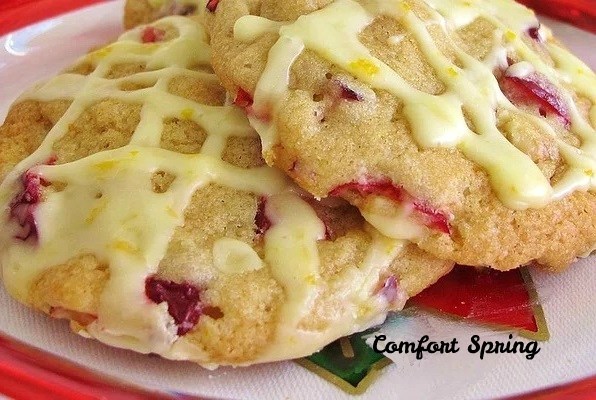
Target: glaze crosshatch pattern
(127,203)
(122,233)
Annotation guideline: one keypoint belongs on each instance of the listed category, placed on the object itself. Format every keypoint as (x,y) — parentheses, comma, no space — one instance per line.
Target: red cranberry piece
(261,221)
(213,312)
(184,301)
(23,205)
(534,33)
(243,99)
(389,289)
(431,217)
(335,92)
(349,94)
(212,5)
(32,184)
(338,90)
(151,35)
(536,89)
(52,160)
(26,220)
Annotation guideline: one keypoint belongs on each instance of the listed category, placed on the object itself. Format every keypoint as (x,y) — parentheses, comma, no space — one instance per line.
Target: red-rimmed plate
(567,300)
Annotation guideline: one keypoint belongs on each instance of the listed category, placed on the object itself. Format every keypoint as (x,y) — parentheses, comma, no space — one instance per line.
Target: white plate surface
(43,49)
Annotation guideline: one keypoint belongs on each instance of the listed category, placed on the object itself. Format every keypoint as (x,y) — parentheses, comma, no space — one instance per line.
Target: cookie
(463,126)
(138,206)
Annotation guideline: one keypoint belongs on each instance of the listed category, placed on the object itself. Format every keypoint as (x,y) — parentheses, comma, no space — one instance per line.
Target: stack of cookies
(248,180)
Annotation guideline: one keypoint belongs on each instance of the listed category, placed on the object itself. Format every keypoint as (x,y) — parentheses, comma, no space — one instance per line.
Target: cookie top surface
(139,208)
(461,125)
